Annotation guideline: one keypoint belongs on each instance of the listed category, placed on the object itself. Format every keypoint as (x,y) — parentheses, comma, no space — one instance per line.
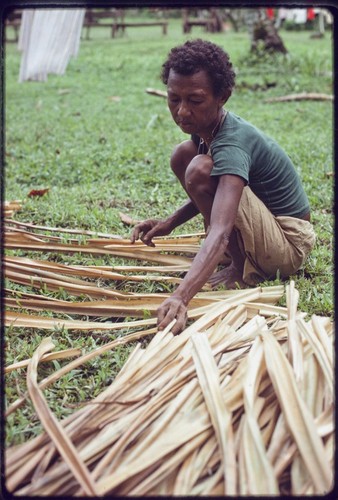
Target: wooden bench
(96,19)
(211,21)
(122,26)
(189,23)
(114,20)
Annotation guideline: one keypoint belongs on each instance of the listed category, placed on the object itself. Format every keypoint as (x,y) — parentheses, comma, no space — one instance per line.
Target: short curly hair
(196,55)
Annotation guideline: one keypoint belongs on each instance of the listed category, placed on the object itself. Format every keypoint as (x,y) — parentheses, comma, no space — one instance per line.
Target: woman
(255,210)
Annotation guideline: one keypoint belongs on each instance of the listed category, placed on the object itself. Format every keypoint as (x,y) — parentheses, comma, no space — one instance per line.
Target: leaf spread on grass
(240,403)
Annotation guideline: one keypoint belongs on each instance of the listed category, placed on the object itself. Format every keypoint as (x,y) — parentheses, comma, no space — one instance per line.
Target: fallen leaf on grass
(159,93)
(126,219)
(10,207)
(38,192)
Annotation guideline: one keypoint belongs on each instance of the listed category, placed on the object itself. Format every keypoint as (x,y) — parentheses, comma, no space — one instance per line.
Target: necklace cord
(213,133)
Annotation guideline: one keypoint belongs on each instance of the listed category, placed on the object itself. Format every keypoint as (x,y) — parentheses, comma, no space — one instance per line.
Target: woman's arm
(223,215)
(148,229)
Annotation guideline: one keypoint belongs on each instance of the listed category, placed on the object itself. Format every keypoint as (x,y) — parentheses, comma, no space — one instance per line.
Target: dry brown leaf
(37,192)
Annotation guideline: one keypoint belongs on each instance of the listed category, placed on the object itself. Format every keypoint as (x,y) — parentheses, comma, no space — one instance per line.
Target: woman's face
(192,103)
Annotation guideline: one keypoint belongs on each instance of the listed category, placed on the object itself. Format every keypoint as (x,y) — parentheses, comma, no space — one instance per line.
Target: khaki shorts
(270,244)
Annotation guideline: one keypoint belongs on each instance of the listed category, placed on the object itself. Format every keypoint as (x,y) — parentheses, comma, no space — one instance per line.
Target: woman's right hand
(147,229)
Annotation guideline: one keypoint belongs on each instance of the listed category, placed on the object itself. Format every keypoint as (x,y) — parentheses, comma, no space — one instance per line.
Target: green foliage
(102,146)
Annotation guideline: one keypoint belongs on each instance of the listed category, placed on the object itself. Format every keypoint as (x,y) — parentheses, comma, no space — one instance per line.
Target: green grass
(102,145)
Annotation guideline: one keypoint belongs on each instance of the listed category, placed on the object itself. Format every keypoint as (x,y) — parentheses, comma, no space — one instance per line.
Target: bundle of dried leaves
(241,402)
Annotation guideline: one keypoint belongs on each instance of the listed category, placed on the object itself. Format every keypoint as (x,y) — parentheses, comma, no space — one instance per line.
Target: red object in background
(270,13)
(38,192)
(311,14)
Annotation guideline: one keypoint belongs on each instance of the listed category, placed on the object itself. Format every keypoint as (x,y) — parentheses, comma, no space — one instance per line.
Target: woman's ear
(225,96)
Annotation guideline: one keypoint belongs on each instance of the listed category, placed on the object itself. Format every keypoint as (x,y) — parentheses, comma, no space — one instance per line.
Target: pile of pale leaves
(240,403)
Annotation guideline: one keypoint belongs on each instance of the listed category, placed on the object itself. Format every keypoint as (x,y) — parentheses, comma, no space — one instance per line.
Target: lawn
(101,144)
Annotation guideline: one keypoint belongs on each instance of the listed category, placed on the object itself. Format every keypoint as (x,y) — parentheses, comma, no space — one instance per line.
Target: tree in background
(262,31)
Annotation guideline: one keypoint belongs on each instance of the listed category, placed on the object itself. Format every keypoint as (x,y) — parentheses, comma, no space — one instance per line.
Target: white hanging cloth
(48,38)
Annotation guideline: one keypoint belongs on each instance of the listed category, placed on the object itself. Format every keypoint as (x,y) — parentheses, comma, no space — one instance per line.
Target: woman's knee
(198,171)
(181,156)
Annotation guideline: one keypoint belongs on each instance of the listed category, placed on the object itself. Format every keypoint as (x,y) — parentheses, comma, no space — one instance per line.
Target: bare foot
(230,276)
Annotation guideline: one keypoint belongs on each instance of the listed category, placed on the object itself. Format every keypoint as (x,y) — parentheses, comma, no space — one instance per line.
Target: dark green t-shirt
(241,149)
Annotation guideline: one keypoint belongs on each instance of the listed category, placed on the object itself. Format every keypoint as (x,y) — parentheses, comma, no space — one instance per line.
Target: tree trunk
(263,29)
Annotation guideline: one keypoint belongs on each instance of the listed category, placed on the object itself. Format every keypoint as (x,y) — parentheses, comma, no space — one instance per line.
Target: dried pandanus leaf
(208,377)
(240,402)
(51,424)
(298,417)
